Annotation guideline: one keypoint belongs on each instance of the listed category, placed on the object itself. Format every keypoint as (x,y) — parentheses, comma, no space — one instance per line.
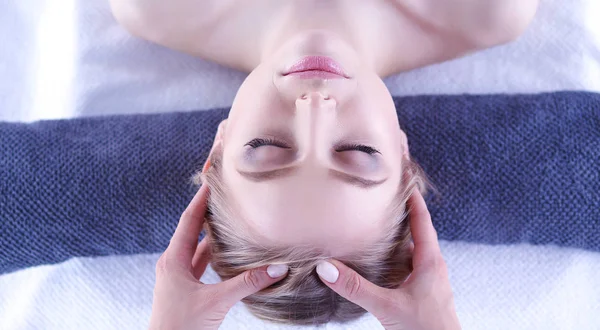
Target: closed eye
(357,147)
(261,142)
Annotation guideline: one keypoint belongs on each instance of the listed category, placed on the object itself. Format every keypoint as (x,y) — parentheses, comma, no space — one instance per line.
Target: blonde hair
(301,298)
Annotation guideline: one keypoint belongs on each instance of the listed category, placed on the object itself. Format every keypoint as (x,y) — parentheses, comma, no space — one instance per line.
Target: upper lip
(317,63)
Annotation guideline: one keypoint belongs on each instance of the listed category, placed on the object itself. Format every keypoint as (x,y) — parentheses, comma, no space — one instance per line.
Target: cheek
(256,88)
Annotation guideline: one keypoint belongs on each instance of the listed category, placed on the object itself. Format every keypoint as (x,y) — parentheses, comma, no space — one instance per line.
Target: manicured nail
(276,271)
(327,271)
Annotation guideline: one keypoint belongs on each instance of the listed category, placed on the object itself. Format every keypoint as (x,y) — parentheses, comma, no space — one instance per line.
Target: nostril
(304,97)
(327,98)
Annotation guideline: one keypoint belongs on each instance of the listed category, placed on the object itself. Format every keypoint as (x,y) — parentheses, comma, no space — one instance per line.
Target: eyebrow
(354,180)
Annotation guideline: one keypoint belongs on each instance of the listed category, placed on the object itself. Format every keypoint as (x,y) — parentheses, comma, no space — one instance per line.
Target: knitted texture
(508,169)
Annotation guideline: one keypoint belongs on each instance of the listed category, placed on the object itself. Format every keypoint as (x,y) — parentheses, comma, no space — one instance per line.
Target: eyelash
(266,142)
(358,147)
(256,143)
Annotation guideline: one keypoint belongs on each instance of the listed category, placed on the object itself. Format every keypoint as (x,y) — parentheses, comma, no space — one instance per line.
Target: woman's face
(313,159)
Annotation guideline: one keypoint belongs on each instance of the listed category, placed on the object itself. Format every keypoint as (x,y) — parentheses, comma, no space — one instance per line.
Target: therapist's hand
(181,301)
(423,301)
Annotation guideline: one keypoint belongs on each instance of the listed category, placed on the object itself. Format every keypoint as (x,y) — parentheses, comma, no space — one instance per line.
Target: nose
(315,117)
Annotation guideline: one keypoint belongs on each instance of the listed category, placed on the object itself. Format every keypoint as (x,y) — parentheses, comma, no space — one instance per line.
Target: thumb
(250,282)
(350,285)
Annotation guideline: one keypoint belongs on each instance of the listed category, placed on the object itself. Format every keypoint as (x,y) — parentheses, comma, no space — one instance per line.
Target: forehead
(326,214)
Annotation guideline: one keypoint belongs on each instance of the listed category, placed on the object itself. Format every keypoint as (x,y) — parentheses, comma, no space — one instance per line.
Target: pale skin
(325,138)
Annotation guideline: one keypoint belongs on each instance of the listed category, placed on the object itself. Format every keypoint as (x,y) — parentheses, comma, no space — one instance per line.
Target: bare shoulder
(196,27)
(154,18)
(482,23)
(440,30)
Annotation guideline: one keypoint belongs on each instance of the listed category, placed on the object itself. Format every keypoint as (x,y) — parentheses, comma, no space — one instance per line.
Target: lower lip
(320,67)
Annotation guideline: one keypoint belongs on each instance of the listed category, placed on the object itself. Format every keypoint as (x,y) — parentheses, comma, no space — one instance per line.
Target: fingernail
(327,271)
(276,271)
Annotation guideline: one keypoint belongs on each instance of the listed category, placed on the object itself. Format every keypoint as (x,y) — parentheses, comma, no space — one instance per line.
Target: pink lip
(321,67)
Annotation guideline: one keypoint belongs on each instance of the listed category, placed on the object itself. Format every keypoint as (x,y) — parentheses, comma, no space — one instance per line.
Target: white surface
(496,287)
(68,58)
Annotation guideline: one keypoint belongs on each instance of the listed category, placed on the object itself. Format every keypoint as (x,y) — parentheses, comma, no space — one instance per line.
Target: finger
(201,258)
(185,239)
(426,246)
(250,282)
(350,285)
